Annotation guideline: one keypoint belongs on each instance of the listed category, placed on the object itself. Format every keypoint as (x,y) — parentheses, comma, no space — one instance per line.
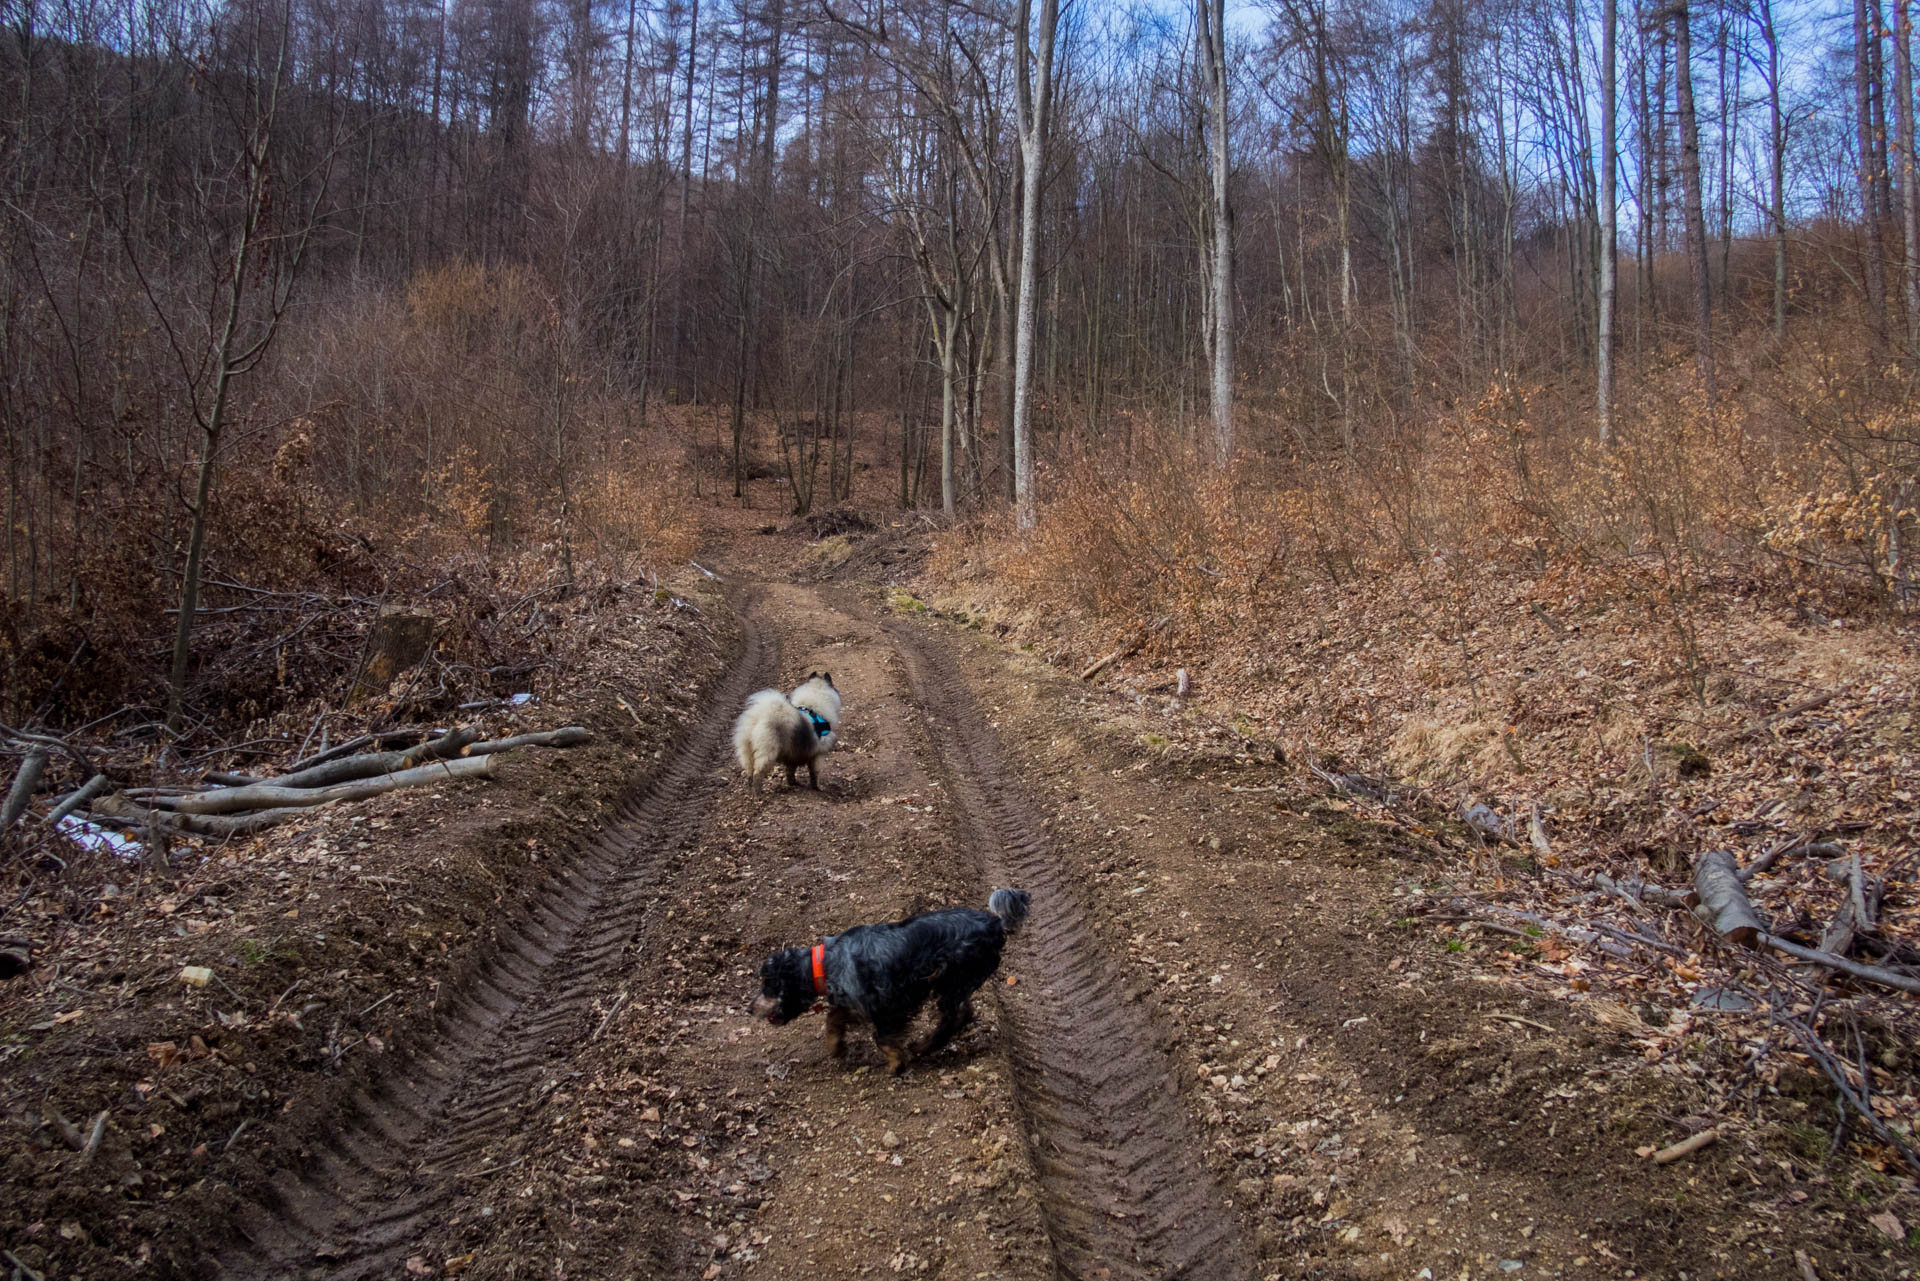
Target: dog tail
(756,741)
(1010,906)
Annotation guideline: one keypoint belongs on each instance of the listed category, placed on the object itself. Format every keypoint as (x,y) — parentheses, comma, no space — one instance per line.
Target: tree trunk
(1609,222)
(211,429)
(945,336)
(1909,196)
(1690,178)
(1863,40)
(1213,38)
(400,638)
(1777,142)
(1033,100)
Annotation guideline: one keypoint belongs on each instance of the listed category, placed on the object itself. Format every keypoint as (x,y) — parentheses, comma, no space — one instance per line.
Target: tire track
(1125,1194)
(403,1144)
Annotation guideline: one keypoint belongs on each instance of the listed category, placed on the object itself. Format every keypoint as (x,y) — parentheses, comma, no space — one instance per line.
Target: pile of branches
(1824,984)
(227,804)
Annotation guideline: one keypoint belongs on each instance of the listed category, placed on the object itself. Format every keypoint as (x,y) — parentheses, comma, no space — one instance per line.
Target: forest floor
(515,1042)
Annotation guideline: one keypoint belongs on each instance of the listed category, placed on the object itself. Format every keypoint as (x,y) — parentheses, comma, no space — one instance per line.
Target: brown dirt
(1221,1052)
(330,942)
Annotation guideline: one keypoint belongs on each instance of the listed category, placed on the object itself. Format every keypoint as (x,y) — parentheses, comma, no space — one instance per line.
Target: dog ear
(828,678)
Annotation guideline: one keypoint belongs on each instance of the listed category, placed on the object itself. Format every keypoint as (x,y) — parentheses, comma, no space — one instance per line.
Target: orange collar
(820,969)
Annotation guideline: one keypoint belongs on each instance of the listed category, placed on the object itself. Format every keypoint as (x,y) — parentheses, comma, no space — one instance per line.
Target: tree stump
(400,639)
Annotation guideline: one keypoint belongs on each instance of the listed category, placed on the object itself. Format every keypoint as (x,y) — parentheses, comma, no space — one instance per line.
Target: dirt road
(1213,1054)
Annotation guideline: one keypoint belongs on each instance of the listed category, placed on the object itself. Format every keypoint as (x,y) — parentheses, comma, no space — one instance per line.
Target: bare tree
(1692,196)
(1033,108)
(1866,41)
(1609,219)
(1763,16)
(1210,18)
(260,266)
(1909,195)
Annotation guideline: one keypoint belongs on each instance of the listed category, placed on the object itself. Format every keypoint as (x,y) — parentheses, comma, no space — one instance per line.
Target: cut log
(22,790)
(345,770)
(400,639)
(571,736)
(1722,900)
(74,800)
(237,800)
(16,956)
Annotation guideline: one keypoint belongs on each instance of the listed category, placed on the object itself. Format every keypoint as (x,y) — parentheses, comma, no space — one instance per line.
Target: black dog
(885,973)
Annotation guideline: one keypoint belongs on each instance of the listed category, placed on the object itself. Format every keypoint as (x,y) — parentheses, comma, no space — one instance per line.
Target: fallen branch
(1635,936)
(1804,843)
(235,800)
(21,1271)
(22,790)
(1722,904)
(1601,881)
(1867,973)
(451,744)
(1125,651)
(150,821)
(619,1004)
(1658,895)
(1817,1050)
(74,800)
(410,734)
(571,736)
(1765,723)
(54,743)
(94,1136)
(1854,917)
(1524,1022)
(1476,913)
(1686,1147)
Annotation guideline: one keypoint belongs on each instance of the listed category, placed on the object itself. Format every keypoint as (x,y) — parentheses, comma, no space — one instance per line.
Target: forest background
(1201,310)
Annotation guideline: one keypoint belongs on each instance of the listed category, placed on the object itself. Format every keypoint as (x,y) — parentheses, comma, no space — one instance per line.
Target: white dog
(792,731)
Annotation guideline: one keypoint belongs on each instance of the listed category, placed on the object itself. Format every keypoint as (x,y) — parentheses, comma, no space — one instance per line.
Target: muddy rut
(1123,1190)
(399,1152)
(1126,1194)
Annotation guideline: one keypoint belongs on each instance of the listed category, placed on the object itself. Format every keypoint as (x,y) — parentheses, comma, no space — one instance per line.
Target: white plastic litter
(97,839)
(520,700)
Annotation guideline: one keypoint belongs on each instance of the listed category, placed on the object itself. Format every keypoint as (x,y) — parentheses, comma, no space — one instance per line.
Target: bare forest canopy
(314,296)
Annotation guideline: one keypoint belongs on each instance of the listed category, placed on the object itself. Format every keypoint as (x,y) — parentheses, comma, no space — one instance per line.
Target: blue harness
(821,726)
